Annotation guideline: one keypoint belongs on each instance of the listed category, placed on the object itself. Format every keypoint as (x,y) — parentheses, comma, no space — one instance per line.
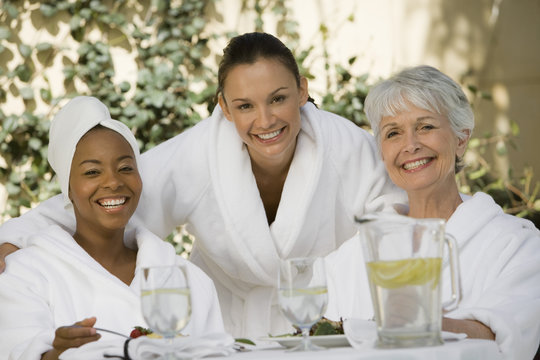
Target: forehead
(410,112)
(102,141)
(263,70)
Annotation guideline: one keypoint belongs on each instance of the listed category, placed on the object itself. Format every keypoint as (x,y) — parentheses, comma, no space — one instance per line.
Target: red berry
(139,331)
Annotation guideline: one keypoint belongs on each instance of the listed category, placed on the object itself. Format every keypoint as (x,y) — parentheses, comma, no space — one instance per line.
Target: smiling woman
(422,122)
(73,282)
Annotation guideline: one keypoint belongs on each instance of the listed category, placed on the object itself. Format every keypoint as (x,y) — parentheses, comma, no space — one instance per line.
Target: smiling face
(104,183)
(419,150)
(263,101)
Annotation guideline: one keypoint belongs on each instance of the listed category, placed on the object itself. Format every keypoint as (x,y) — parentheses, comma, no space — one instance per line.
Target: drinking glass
(303,295)
(166,301)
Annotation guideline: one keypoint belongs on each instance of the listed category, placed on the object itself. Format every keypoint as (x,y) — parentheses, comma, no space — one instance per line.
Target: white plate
(321,340)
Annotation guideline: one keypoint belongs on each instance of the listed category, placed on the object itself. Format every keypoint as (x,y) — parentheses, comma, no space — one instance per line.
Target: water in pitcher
(406,297)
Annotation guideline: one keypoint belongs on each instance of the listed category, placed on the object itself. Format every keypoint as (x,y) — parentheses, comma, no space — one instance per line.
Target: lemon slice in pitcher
(398,273)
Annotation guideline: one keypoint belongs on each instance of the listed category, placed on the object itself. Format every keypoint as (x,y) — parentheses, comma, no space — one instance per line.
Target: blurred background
(154,63)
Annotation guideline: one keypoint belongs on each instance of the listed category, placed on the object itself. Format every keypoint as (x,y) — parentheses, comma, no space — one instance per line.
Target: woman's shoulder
(480,214)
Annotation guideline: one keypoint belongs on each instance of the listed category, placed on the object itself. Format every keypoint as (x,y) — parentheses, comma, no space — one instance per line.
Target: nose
(265,118)
(412,144)
(112,180)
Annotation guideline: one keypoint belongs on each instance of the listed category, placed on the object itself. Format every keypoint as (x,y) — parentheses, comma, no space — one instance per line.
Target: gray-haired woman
(422,122)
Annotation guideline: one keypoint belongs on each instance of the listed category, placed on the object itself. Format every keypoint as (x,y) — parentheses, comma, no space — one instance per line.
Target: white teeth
(414,165)
(113,203)
(269,135)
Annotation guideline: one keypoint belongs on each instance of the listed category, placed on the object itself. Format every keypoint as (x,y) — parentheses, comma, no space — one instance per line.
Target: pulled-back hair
(250,47)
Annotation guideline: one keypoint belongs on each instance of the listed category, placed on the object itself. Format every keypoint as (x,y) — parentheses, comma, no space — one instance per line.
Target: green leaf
(474,143)
(11,10)
(45,95)
(43,46)
(5,33)
(244,341)
(12,189)
(25,50)
(477,174)
(47,10)
(23,72)
(35,143)
(514,127)
(27,93)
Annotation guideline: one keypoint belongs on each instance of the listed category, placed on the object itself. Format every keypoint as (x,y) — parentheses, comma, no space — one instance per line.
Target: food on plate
(140,331)
(324,327)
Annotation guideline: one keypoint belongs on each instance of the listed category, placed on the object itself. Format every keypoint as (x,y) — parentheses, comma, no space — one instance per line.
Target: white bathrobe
(499,259)
(203,177)
(54,282)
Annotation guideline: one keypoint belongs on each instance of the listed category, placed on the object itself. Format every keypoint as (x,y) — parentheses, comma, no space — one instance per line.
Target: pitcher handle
(453,261)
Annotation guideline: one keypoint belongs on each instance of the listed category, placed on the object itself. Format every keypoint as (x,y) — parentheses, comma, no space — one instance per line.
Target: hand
(73,336)
(5,250)
(473,328)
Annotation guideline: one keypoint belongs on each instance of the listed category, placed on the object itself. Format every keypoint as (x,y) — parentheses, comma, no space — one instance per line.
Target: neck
(434,203)
(106,247)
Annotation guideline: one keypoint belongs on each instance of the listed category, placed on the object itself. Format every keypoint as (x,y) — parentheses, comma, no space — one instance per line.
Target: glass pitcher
(404,258)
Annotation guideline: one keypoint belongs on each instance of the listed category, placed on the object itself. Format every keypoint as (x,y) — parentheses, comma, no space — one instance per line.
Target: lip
(427,159)
(271,140)
(115,197)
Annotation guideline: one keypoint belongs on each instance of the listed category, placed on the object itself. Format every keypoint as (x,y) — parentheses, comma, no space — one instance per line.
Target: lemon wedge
(406,272)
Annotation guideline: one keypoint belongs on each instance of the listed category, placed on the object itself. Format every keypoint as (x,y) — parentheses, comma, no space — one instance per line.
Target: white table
(468,349)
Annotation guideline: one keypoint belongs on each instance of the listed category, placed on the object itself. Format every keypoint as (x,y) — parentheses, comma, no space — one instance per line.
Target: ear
(224,107)
(303,90)
(462,143)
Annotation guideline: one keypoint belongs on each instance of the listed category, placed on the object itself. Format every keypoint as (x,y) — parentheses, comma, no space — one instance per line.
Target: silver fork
(111,332)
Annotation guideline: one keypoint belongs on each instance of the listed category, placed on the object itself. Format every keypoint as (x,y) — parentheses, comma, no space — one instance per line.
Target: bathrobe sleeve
(27,329)
(175,175)
(500,274)
(17,230)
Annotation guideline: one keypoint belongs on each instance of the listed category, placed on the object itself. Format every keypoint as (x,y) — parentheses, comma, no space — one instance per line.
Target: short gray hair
(426,88)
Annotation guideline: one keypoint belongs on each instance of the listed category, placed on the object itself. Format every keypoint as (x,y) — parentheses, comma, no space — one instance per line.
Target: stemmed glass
(166,301)
(303,295)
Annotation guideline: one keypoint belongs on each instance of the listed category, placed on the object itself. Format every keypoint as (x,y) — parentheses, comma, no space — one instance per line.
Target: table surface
(468,349)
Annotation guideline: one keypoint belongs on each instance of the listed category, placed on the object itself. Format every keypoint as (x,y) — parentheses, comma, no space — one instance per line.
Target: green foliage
(169,46)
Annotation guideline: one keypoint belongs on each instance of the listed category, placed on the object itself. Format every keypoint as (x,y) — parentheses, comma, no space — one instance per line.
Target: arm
(501,289)
(474,329)
(174,174)
(17,230)
(5,250)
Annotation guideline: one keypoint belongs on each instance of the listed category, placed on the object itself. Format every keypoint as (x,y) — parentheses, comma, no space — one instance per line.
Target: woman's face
(263,101)
(104,183)
(419,149)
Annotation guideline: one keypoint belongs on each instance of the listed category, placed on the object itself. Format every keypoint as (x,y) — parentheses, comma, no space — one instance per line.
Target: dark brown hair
(248,48)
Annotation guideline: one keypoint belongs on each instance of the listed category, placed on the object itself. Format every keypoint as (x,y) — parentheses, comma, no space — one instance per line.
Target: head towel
(69,125)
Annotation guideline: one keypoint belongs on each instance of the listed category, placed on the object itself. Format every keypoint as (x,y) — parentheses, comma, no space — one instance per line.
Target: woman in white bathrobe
(268,176)
(90,278)
(422,122)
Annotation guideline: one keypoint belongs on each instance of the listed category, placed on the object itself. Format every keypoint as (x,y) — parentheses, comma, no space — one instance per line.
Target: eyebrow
(271,94)
(93,161)
(421,118)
